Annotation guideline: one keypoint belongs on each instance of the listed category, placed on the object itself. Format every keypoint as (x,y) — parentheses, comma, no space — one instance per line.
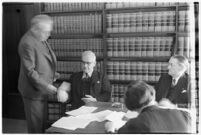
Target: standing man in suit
(88,85)
(37,71)
(140,97)
(174,86)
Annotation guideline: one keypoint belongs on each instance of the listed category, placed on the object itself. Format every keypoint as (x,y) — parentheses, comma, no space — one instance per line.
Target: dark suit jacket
(181,94)
(156,120)
(99,88)
(37,68)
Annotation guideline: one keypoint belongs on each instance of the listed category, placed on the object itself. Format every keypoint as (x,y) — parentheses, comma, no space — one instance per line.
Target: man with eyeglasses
(88,85)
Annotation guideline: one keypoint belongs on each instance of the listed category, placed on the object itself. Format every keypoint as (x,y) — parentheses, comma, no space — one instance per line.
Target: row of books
(90,23)
(73,48)
(118,92)
(84,6)
(183,20)
(141,22)
(65,7)
(162,21)
(184,47)
(139,46)
(141,4)
(128,70)
(66,68)
(54,111)
(74,66)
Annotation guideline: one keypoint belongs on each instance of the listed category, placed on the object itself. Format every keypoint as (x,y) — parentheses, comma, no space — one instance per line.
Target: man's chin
(169,74)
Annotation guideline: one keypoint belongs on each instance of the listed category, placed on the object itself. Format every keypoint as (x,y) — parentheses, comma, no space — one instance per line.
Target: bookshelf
(131,40)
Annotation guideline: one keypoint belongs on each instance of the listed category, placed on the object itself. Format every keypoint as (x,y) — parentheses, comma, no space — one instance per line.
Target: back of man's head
(138,94)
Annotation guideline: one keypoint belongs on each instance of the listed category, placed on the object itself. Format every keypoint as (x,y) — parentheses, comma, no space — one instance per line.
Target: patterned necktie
(173,82)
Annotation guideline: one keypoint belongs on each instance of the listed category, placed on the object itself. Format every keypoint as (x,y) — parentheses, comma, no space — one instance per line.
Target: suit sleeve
(70,99)
(27,56)
(128,128)
(158,90)
(105,94)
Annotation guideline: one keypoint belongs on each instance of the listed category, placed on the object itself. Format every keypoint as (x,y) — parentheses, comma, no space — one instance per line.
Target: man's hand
(88,99)
(62,92)
(57,76)
(62,96)
(65,86)
(166,103)
(51,89)
(109,127)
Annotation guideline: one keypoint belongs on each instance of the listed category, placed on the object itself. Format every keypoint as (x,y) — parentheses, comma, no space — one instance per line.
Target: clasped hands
(62,91)
(88,98)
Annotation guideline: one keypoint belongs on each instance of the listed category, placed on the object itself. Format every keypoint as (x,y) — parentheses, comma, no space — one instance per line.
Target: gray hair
(182,61)
(89,54)
(38,19)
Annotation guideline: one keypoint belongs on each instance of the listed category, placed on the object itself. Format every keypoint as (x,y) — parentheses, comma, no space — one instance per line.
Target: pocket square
(183,91)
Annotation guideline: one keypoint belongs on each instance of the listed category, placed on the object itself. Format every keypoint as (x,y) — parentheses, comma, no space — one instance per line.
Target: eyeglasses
(86,62)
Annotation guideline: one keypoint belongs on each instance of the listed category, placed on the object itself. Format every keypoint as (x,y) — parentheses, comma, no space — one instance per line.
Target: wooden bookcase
(107,25)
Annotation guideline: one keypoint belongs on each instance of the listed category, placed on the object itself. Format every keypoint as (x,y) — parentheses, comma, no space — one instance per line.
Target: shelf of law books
(132,41)
(71,7)
(77,27)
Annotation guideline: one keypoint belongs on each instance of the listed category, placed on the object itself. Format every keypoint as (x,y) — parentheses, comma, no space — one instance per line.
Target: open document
(81,110)
(82,116)
(71,123)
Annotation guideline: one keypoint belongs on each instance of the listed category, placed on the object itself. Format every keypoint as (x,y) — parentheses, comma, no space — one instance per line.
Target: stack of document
(81,110)
(82,116)
(71,123)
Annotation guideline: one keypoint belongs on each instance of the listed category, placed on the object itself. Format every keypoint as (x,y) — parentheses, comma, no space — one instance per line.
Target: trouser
(35,115)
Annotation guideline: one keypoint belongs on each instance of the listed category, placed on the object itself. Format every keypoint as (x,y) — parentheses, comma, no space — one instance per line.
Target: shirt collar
(89,74)
(177,78)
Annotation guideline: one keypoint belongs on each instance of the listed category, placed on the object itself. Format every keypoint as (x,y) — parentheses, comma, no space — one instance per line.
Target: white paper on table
(115,116)
(71,123)
(100,116)
(131,114)
(118,124)
(81,110)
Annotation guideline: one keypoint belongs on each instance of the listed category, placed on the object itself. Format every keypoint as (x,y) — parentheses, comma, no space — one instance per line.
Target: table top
(93,127)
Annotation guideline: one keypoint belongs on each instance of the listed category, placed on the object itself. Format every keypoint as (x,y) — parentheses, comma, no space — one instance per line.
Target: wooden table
(93,127)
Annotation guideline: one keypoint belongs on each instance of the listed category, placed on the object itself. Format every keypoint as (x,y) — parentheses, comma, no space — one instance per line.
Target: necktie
(45,44)
(173,82)
(86,76)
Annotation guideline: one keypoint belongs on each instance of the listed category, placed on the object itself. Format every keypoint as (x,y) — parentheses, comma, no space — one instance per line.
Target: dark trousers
(35,115)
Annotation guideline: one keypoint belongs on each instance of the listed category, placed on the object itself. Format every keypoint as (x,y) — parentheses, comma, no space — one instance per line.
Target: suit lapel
(168,84)
(79,83)
(180,84)
(52,54)
(94,80)
(43,49)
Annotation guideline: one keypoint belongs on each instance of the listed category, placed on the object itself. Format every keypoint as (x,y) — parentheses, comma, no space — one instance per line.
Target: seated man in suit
(174,86)
(88,85)
(140,97)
